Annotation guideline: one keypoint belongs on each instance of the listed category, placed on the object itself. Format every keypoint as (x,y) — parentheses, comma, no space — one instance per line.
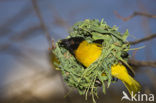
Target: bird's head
(71,44)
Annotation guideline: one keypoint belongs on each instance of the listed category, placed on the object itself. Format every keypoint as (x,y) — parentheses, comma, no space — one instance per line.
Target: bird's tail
(132,85)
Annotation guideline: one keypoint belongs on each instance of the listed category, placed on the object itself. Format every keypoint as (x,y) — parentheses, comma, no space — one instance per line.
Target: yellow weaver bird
(87,53)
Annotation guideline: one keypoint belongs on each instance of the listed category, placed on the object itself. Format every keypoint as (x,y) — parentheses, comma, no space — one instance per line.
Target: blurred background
(27,26)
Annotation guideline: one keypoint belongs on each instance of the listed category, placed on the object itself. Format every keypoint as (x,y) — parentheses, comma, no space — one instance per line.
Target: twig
(42,24)
(23,13)
(143,39)
(5,28)
(5,46)
(23,35)
(58,20)
(133,15)
(137,63)
(26,33)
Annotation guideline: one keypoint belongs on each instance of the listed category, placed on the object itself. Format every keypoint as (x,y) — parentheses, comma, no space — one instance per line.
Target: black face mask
(71,44)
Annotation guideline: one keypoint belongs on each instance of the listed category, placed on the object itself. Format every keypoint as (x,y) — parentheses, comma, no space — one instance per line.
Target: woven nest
(113,46)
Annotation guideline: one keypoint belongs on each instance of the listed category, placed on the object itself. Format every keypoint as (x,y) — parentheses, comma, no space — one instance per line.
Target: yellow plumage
(119,71)
(87,53)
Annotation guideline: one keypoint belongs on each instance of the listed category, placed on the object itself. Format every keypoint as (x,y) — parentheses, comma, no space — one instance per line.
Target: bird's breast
(87,53)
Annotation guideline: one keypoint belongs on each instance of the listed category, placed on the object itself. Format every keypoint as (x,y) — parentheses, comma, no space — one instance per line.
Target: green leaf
(125,35)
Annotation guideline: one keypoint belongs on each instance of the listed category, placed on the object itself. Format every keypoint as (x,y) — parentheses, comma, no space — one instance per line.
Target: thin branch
(23,35)
(5,28)
(42,24)
(149,37)
(5,46)
(137,63)
(58,20)
(133,15)
(23,13)
(26,33)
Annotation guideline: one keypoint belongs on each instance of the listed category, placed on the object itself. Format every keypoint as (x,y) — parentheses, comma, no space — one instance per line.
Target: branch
(23,35)
(42,24)
(133,15)
(26,33)
(143,39)
(23,13)
(5,28)
(5,46)
(137,63)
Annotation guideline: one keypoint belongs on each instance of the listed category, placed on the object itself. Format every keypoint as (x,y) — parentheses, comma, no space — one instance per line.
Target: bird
(87,53)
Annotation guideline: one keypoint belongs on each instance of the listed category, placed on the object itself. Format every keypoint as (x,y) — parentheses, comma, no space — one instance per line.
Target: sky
(71,11)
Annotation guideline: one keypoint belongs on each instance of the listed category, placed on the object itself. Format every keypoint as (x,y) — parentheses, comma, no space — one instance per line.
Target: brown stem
(137,63)
(42,24)
(143,39)
(134,14)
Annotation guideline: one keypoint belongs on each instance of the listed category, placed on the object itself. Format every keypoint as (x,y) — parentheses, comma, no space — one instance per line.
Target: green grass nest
(83,79)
